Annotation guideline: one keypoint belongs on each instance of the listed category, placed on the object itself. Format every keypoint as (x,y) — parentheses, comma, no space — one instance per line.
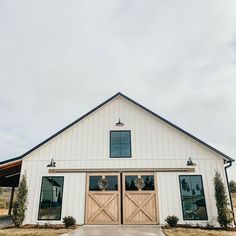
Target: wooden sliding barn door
(139,198)
(103,198)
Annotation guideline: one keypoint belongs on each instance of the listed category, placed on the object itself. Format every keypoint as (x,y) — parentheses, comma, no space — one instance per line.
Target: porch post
(11,200)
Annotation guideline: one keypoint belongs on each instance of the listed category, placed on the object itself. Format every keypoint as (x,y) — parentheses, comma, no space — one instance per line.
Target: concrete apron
(117,230)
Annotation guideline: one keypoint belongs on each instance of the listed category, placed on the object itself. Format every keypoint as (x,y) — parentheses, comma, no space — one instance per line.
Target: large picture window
(120,144)
(51,198)
(193,198)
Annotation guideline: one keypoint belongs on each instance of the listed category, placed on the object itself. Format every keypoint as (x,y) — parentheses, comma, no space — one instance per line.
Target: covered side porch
(9,177)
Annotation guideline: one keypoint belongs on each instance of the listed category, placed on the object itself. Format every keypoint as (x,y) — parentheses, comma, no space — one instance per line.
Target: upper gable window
(120,144)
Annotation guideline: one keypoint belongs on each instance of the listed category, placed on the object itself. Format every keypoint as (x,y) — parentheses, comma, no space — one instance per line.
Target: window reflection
(130,182)
(149,182)
(51,198)
(112,183)
(93,183)
(193,199)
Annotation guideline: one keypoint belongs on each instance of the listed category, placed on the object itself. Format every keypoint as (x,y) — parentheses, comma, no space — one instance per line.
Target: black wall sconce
(119,123)
(52,164)
(190,162)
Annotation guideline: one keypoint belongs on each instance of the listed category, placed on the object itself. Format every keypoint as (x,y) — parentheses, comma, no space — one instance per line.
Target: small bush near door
(69,221)
(172,221)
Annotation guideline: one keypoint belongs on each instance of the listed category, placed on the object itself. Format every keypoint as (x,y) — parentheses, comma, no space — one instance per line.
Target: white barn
(119,164)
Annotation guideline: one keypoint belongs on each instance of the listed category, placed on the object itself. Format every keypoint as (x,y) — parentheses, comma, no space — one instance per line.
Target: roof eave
(229,159)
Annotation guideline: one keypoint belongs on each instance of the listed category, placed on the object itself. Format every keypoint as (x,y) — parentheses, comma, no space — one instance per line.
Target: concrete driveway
(118,230)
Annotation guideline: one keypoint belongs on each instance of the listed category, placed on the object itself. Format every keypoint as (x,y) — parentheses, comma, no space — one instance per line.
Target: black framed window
(193,197)
(120,143)
(51,198)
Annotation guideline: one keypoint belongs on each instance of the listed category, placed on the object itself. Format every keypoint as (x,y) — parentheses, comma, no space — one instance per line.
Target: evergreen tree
(224,214)
(19,206)
(232,186)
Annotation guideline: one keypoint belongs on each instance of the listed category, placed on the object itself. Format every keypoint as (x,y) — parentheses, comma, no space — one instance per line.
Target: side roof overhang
(224,156)
(10,173)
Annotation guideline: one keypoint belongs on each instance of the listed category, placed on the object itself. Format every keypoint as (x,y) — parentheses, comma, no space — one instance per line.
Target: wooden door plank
(96,197)
(129,198)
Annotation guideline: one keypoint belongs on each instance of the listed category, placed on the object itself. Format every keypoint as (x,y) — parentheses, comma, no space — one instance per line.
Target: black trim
(230,198)
(41,194)
(108,100)
(182,199)
(129,144)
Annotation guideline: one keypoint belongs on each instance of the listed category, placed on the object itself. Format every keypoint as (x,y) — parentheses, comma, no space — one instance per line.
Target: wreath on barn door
(103,183)
(139,183)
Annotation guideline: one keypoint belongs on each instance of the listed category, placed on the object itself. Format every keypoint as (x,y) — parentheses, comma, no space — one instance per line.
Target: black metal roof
(229,159)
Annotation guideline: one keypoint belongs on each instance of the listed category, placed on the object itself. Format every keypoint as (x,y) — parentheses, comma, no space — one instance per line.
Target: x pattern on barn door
(103,199)
(139,198)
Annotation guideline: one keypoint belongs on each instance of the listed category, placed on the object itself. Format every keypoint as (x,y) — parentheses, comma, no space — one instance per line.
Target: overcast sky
(59,59)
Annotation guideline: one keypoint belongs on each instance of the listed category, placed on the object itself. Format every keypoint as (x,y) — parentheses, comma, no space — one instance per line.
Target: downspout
(227,180)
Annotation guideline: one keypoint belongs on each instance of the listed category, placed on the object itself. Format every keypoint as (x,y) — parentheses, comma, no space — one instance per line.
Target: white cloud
(59,59)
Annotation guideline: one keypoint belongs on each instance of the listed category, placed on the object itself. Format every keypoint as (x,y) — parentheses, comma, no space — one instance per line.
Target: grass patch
(197,232)
(33,232)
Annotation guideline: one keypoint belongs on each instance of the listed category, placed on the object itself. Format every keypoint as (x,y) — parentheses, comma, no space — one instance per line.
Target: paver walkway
(118,230)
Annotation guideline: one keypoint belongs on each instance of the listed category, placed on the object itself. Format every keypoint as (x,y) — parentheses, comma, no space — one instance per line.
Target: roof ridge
(102,104)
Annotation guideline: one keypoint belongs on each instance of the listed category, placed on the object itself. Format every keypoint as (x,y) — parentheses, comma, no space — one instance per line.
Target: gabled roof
(227,158)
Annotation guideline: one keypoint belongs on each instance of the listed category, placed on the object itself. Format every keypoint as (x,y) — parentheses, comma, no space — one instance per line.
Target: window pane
(148,182)
(125,150)
(129,182)
(55,212)
(197,188)
(125,137)
(185,186)
(115,150)
(120,145)
(112,183)
(57,181)
(193,199)
(51,198)
(115,137)
(47,183)
(93,183)
(45,210)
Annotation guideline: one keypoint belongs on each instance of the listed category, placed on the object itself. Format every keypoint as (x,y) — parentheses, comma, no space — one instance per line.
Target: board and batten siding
(154,144)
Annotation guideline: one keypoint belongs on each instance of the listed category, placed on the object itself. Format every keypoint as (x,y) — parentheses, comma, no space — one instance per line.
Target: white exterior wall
(154,144)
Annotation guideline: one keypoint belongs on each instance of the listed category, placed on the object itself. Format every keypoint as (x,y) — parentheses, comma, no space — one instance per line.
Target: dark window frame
(130,146)
(205,219)
(41,196)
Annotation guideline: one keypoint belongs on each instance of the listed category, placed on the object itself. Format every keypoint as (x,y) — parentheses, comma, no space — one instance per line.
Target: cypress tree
(19,206)
(224,214)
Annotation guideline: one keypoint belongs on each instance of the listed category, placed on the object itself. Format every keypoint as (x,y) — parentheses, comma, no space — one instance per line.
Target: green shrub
(172,221)
(69,221)
(224,213)
(209,226)
(19,206)
(232,186)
